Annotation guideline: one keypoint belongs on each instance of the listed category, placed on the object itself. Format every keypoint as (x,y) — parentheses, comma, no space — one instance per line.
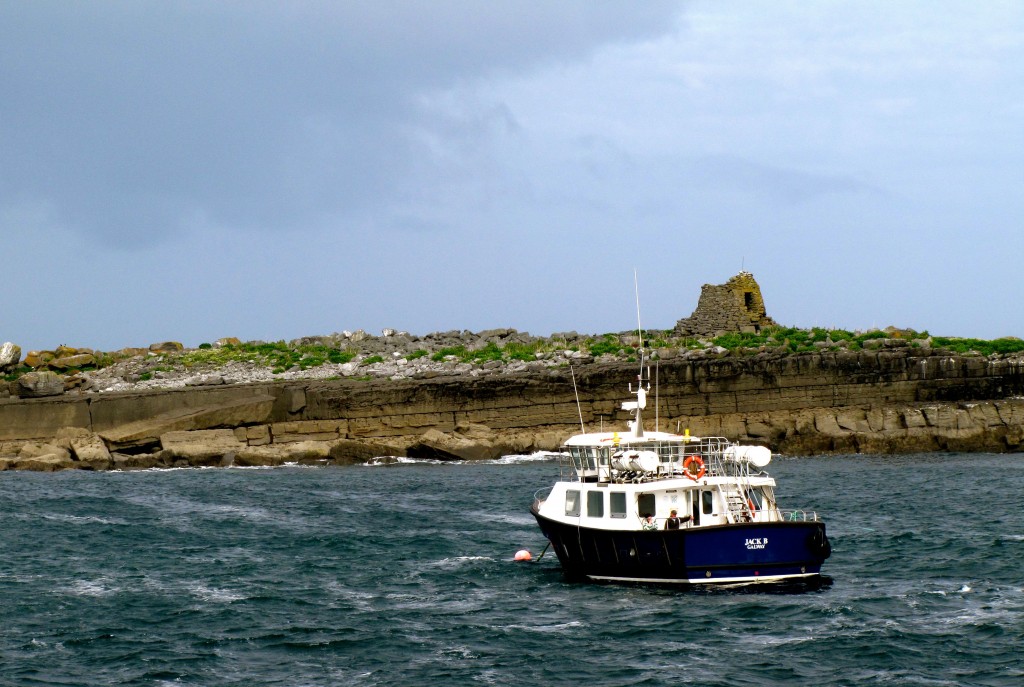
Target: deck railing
(595,464)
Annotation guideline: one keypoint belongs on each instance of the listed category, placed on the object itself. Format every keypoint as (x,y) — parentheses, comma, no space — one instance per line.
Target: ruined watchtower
(735,306)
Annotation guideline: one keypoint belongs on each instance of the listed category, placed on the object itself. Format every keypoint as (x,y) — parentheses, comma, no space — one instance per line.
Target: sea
(404,574)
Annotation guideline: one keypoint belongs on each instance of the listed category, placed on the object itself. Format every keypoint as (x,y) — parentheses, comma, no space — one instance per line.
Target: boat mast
(637,425)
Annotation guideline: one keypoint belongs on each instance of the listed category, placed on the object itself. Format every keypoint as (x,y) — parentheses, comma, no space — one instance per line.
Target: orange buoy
(524,555)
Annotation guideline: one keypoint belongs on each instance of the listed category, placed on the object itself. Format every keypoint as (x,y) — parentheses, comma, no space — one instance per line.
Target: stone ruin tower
(735,306)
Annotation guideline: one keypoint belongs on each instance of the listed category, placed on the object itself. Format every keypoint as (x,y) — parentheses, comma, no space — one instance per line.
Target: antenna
(579,409)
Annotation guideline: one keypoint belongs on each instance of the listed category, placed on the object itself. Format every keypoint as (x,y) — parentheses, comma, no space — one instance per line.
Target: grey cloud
(132,119)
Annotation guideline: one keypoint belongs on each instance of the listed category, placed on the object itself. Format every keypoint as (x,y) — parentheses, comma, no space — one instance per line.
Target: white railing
(798,515)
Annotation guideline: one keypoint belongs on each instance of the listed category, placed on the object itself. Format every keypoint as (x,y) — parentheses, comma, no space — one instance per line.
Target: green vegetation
(801,340)
(458,351)
(609,343)
(278,356)
(1003,346)
(18,371)
(281,357)
(491,352)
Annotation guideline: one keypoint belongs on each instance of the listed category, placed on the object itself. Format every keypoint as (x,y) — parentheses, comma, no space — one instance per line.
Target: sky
(192,170)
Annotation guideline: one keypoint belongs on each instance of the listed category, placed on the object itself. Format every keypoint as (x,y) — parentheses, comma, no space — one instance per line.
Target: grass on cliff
(1003,346)
(277,355)
(797,340)
(491,352)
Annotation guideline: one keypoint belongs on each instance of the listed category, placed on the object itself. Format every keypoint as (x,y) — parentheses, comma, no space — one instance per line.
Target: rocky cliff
(892,399)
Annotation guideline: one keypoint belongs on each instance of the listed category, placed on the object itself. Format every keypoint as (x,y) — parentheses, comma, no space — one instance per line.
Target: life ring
(689,473)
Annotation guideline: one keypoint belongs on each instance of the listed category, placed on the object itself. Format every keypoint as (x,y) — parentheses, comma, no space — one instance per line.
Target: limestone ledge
(996,426)
(886,401)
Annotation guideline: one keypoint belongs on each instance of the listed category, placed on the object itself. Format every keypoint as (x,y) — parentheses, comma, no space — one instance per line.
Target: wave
(536,457)
(83,519)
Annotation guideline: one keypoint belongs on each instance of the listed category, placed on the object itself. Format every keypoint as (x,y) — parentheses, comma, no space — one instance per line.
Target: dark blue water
(403,575)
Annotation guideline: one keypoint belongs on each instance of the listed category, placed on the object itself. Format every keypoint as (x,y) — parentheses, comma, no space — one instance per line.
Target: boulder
(69,361)
(201,447)
(141,461)
(48,462)
(302,452)
(260,456)
(227,341)
(86,448)
(35,450)
(205,380)
(36,359)
(348,452)
(38,384)
(441,446)
(307,452)
(167,347)
(10,356)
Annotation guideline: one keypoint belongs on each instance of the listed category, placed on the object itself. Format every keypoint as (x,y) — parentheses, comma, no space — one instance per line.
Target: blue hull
(735,553)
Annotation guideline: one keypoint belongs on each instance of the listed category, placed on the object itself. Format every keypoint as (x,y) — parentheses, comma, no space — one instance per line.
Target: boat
(666,508)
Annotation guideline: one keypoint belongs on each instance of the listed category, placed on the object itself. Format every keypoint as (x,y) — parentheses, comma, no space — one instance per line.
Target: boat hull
(718,554)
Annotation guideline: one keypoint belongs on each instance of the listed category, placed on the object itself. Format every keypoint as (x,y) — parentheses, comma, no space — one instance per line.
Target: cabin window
(575,453)
(618,504)
(590,458)
(756,498)
(645,504)
(603,455)
(595,504)
(572,503)
(707,502)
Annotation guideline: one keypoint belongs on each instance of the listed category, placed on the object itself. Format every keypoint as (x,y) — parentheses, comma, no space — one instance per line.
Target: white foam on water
(546,629)
(457,562)
(401,460)
(83,519)
(214,595)
(96,588)
(539,456)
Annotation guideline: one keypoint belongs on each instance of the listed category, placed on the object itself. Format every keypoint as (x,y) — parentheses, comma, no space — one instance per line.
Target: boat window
(707,501)
(668,453)
(575,453)
(595,504)
(756,497)
(603,454)
(645,503)
(618,504)
(572,503)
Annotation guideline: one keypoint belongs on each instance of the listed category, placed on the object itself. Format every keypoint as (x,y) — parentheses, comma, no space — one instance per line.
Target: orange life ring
(688,472)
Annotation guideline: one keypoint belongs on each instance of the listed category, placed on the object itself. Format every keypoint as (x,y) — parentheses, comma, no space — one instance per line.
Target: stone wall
(735,306)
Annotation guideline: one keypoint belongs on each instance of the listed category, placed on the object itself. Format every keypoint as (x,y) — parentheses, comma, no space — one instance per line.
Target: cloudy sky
(192,170)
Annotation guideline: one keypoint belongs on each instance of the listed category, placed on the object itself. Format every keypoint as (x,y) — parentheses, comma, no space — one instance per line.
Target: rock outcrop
(892,399)
(39,384)
(10,356)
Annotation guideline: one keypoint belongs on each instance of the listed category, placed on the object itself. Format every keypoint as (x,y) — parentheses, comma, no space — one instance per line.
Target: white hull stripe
(702,580)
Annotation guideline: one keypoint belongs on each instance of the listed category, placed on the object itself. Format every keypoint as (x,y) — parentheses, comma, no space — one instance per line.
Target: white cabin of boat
(613,480)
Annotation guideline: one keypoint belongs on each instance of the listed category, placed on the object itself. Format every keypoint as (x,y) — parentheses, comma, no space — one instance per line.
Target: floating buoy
(524,555)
